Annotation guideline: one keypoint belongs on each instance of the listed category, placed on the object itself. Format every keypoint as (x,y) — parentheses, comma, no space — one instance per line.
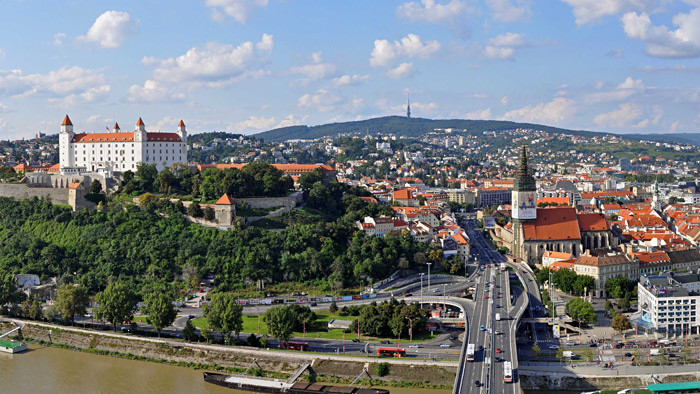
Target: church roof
(181,124)
(140,122)
(592,222)
(555,224)
(66,121)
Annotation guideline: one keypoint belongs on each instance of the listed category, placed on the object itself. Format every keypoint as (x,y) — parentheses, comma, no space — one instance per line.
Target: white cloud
(316,70)
(236,9)
(555,112)
(479,114)
(505,100)
(256,123)
(623,91)
(587,11)
(3,108)
(266,44)
(214,65)
(67,86)
(58,38)
(660,40)
(403,70)
(417,108)
(623,116)
(503,46)
(430,11)
(291,120)
(323,100)
(510,10)
(111,29)
(386,53)
(346,79)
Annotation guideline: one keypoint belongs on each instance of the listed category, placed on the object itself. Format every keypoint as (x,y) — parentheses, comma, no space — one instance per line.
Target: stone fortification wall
(20,191)
(289,201)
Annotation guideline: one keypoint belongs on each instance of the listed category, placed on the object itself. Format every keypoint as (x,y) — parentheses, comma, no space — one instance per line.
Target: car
(553,347)
(481,348)
(628,354)
(190,317)
(385,342)
(499,351)
(452,337)
(409,294)
(355,340)
(497,332)
(414,346)
(436,290)
(619,346)
(486,296)
(477,383)
(594,344)
(571,343)
(445,345)
(482,328)
(313,304)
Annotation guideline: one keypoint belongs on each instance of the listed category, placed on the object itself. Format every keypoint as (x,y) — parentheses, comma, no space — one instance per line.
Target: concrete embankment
(421,372)
(589,378)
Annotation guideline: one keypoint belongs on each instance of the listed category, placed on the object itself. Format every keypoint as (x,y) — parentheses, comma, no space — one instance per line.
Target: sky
(248,66)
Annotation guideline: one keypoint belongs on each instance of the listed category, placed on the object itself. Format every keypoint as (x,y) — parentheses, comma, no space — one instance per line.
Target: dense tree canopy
(581,310)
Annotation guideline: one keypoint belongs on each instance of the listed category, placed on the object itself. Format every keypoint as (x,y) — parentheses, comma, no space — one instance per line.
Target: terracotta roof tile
(225,200)
(592,222)
(553,224)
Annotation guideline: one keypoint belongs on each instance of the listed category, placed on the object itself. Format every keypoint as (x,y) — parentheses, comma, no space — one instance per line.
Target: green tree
(536,350)
(209,213)
(160,311)
(624,303)
(207,333)
(618,286)
(580,310)
(36,311)
(564,280)
(72,300)
(280,321)
(95,187)
(583,284)
(620,323)
(116,303)
(224,315)
(195,210)
(188,333)
(333,308)
(542,276)
(8,289)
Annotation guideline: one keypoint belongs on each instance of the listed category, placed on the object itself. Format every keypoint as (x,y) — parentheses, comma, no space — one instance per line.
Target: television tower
(408,106)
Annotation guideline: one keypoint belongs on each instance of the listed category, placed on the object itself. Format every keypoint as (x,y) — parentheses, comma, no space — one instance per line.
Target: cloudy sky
(251,65)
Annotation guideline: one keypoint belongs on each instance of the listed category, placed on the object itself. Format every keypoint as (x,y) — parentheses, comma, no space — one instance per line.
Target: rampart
(21,191)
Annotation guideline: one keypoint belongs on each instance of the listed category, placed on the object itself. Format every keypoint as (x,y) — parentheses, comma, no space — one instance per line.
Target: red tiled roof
(555,200)
(181,124)
(225,200)
(403,194)
(592,222)
(553,224)
(286,168)
(74,185)
(66,121)
(123,137)
(140,123)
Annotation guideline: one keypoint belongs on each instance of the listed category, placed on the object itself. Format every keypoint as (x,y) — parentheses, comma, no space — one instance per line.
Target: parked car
(619,346)
(571,343)
(553,347)
(628,354)
(385,342)
(593,344)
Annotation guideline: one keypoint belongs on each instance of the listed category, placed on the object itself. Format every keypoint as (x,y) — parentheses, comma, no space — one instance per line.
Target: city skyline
(250,66)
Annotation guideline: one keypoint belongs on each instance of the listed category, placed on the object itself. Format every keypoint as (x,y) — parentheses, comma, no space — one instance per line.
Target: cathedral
(554,229)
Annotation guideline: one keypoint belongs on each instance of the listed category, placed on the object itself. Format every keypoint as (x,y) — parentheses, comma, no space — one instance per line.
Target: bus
(507,372)
(391,352)
(470,352)
(303,346)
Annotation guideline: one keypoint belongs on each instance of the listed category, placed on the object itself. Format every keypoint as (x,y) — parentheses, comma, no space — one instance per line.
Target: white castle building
(119,151)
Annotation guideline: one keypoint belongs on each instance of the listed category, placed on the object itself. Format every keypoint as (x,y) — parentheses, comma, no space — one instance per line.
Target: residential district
(518,259)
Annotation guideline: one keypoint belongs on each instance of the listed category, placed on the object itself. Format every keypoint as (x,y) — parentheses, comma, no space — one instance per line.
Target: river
(51,370)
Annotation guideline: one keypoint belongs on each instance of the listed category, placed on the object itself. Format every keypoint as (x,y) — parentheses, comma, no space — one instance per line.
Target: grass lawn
(319,329)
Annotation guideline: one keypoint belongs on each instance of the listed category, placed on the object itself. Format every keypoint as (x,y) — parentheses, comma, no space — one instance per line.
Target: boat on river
(263,385)
(12,346)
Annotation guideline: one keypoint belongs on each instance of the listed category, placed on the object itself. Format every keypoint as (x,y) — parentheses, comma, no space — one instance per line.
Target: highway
(489,346)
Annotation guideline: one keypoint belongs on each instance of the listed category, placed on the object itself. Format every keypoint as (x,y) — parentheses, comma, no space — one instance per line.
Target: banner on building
(556,333)
(489,222)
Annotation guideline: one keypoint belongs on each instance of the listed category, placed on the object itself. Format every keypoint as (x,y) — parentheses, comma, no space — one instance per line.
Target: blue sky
(252,65)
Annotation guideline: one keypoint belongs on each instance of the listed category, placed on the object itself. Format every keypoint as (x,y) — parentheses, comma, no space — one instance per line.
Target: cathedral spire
(523,169)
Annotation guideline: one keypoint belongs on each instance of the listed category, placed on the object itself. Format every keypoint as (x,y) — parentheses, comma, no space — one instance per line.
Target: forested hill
(410,127)
(684,138)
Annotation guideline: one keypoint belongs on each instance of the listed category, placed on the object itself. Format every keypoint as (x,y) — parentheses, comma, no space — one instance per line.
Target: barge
(261,385)
(12,347)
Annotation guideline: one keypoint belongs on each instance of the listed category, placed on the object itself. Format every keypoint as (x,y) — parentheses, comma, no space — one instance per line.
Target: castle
(119,151)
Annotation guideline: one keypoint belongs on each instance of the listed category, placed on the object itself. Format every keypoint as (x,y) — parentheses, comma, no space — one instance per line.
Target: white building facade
(119,151)
(668,306)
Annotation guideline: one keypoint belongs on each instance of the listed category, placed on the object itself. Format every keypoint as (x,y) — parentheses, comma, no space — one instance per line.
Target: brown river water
(59,371)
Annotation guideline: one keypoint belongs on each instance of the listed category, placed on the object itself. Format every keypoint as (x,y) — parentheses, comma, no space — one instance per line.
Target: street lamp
(421,287)
(429,277)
